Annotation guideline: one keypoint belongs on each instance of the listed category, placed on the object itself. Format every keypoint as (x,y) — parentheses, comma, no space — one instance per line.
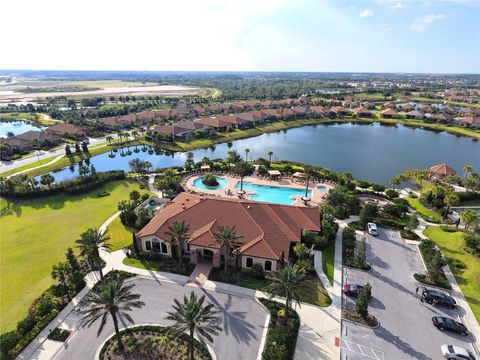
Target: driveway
(406,330)
(242,319)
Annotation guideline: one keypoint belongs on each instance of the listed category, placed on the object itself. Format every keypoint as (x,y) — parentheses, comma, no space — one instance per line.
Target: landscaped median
(426,214)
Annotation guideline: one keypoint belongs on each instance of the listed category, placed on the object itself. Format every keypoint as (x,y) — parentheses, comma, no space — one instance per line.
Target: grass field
(35,235)
(328,260)
(120,235)
(426,214)
(452,246)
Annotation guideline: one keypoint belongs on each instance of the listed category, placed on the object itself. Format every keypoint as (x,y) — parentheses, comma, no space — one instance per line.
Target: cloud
(423,24)
(398,5)
(387,29)
(366,13)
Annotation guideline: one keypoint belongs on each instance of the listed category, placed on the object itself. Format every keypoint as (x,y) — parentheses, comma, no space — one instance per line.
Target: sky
(424,36)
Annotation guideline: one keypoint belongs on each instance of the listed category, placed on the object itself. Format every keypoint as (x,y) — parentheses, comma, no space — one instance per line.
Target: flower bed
(281,339)
(150,342)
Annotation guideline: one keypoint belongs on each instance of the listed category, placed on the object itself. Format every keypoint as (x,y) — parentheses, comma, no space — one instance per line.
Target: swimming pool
(272,194)
(200,185)
(322,187)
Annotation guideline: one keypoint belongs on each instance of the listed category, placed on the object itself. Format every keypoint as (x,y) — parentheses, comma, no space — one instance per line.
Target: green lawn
(120,235)
(328,259)
(35,235)
(426,214)
(452,245)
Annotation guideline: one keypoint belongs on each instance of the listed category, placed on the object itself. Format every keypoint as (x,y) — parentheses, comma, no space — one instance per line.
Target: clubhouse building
(267,231)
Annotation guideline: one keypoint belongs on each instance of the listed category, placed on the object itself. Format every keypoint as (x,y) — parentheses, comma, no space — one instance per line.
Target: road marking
(363,350)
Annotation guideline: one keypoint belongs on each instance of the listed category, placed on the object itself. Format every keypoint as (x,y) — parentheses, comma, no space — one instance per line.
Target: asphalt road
(406,330)
(242,320)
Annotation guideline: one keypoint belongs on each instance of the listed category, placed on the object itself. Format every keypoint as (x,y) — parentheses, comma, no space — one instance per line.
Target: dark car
(437,297)
(352,289)
(444,323)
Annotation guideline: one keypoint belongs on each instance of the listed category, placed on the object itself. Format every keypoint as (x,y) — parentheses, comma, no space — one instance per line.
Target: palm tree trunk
(306,189)
(241,183)
(287,300)
(190,344)
(180,254)
(117,332)
(99,264)
(225,268)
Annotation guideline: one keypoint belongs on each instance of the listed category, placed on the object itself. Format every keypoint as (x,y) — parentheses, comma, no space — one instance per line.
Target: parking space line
(363,350)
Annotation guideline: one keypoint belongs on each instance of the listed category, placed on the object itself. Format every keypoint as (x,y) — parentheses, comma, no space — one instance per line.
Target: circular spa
(198,183)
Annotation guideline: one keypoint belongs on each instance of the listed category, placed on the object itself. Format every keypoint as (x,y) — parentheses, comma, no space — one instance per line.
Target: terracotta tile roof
(442,169)
(67,128)
(390,112)
(214,122)
(267,229)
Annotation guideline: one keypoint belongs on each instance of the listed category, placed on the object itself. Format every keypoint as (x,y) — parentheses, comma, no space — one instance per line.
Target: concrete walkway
(199,275)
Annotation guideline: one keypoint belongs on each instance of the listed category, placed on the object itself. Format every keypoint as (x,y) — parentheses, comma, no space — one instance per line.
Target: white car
(452,352)
(372,228)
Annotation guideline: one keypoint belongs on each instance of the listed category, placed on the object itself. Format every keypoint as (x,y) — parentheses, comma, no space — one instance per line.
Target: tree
(468,217)
(360,258)
(84,147)
(301,251)
(287,282)
(368,213)
(226,238)
(242,169)
(136,165)
(109,139)
(110,298)
(308,170)
(68,151)
(450,199)
(361,306)
(89,244)
(247,150)
(435,266)
(72,260)
(61,272)
(270,153)
(468,169)
(47,180)
(134,134)
(83,170)
(397,180)
(232,157)
(192,317)
(178,234)
(169,181)
(134,196)
(78,150)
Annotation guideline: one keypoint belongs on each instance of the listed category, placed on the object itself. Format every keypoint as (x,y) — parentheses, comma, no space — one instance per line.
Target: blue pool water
(272,194)
(322,187)
(199,184)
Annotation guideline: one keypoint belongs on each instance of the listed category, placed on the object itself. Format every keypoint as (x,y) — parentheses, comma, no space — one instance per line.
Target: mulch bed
(352,315)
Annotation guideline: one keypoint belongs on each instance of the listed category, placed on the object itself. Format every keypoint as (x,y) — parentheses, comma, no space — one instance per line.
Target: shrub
(257,271)
(392,193)
(59,335)
(210,180)
(25,325)
(378,187)
(409,234)
(45,306)
(8,341)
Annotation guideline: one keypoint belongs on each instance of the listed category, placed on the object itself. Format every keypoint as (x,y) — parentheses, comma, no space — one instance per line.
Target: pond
(371,152)
(17,127)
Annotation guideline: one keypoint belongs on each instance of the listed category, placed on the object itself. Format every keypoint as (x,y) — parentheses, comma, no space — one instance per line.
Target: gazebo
(274,174)
(299,175)
(441,170)
(205,167)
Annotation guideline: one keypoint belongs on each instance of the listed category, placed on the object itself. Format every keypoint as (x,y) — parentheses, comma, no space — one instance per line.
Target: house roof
(266,229)
(67,128)
(442,169)
(389,112)
(214,122)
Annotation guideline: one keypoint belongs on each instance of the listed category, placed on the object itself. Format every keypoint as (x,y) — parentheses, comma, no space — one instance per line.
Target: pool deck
(230,191)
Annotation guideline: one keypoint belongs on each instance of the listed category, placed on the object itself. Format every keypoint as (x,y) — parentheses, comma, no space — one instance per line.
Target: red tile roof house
(215,123)
(272,114)
(288,113)
(389,113)
(469,121)
(341,111)
(442,170)
(317,111)
(118,122)
(193,125)
(267,231)
(407,107)
(300,111)
(175,132)
(235,121)
(68,129)
(25,141)
(362,112)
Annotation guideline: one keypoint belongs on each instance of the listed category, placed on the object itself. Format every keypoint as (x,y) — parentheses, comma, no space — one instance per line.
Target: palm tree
(89,244)
(270,153)
(48,180)
(113,298)
(178,233)
(194,318)
(468,217)
(247,150)
(61,272)
(287,282)
(241,168)
(109,138)
(450,199)
(308,173)
(226,237)
(468,169)
(135,134)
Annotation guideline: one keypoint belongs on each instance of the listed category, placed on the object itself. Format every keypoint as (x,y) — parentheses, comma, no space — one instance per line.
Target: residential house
(266,231)
(362,112)
(28,140)
(69,130)
(215,123)
(389,113)
(469,121)
(340,110)
(414,114)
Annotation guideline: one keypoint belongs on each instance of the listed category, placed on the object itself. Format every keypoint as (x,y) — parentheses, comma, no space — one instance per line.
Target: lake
(371,152)
(16,127)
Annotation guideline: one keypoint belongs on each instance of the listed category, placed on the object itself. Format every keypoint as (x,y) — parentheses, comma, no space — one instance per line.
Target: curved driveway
(242,319)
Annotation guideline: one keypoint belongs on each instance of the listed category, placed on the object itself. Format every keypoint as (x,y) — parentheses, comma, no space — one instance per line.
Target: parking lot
(405,330)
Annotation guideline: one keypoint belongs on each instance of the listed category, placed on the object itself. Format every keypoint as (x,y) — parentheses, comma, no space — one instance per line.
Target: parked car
(352,289)
(444,323)
(372,229)
(452,352)
(430,296)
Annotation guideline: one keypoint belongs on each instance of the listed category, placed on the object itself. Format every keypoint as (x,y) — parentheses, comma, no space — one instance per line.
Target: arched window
(249,262)
(148,245)
(164,248)
(268,265)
